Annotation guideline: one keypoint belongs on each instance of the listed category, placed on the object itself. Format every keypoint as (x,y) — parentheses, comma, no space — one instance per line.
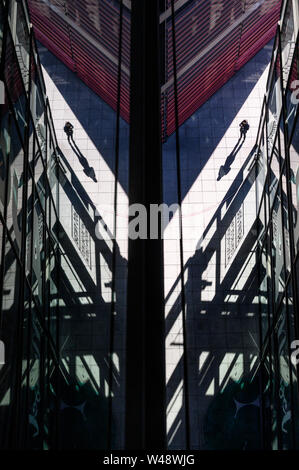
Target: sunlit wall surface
(214,39)
(278,236)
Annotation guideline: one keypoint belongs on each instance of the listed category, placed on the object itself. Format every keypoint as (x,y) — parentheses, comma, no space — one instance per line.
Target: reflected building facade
(214,38)
(29,241)
(63,276)
(55,384)
(277,190)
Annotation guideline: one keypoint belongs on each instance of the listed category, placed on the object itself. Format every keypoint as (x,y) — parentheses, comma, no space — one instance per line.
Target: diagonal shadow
(225,169)
(206,328)
(88,170)
(201,134)
(96,117)
(238,193)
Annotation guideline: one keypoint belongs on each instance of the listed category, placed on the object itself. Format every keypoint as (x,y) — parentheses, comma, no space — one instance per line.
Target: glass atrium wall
(63,272)
(29,241)
(64,255)
(277,255)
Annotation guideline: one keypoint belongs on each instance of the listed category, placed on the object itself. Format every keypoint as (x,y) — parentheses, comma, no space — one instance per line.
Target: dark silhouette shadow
(225,169)
(88,170)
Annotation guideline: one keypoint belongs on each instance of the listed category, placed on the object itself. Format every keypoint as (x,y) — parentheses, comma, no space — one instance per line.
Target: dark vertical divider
(145,374)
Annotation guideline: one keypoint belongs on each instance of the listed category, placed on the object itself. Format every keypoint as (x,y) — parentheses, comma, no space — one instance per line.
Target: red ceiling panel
(214,38)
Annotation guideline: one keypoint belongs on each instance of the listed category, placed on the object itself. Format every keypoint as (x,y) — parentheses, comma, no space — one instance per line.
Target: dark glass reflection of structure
(64,321)
(29,243)
(277,185)
(56,388)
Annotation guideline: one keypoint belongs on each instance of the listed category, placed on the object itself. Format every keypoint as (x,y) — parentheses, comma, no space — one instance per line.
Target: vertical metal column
(145,363)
